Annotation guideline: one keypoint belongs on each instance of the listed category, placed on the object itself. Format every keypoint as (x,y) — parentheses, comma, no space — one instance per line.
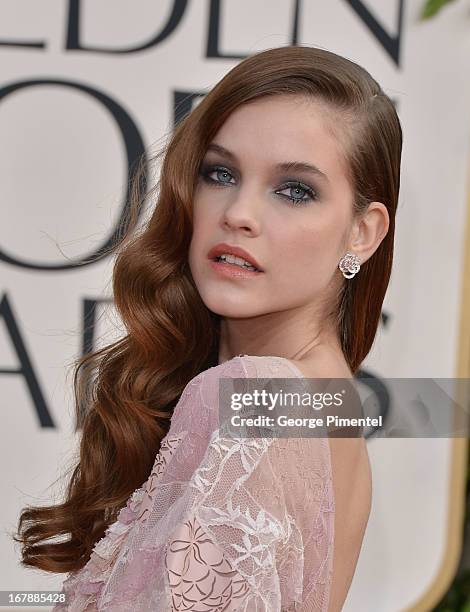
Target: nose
(242,213)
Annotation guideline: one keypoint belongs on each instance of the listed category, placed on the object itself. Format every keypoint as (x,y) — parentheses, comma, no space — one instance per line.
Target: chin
(229,309)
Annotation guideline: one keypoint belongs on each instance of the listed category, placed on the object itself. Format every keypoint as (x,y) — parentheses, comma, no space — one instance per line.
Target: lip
(230,271)
(223,247)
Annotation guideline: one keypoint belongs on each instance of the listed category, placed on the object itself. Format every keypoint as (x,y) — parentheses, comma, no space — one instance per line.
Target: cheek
(204,216)
(309,255)
(202,233)
(196,248)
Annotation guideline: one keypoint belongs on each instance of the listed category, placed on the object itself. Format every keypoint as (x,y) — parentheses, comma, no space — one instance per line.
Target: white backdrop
(80,81)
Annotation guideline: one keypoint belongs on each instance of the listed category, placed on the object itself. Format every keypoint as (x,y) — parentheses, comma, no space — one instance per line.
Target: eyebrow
(282,166)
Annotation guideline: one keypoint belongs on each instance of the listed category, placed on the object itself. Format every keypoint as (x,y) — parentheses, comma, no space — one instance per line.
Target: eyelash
(313,196)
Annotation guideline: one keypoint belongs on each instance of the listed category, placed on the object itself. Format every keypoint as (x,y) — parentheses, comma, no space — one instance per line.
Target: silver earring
(349,265)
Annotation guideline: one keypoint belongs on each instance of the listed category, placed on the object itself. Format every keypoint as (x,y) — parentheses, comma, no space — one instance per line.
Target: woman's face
(295,222)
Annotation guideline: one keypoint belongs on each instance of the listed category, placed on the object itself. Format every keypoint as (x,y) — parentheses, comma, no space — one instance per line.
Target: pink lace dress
(221,524)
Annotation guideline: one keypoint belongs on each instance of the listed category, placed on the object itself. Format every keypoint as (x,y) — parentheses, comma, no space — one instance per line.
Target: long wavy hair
(125,392)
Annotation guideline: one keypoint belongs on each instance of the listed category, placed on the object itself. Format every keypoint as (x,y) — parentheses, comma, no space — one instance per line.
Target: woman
(268,255)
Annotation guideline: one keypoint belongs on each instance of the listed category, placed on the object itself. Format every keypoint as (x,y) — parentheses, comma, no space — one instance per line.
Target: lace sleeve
(260,535)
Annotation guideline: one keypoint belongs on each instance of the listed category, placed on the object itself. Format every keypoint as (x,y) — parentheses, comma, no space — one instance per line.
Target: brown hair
(171,336)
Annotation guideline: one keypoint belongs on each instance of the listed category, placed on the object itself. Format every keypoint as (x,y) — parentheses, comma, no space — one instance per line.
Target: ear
(369,230)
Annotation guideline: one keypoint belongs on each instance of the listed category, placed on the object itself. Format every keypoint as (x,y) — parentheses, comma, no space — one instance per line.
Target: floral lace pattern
(200,577)
(222,523)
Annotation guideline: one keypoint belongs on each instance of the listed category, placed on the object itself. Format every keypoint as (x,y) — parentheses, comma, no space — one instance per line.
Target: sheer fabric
(221,524)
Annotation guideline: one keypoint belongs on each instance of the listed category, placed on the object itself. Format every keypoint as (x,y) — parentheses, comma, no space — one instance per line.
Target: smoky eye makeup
(208,168)
(296,187)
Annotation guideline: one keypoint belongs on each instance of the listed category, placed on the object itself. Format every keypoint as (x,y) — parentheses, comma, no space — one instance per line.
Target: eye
(297,187)
(206,171)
